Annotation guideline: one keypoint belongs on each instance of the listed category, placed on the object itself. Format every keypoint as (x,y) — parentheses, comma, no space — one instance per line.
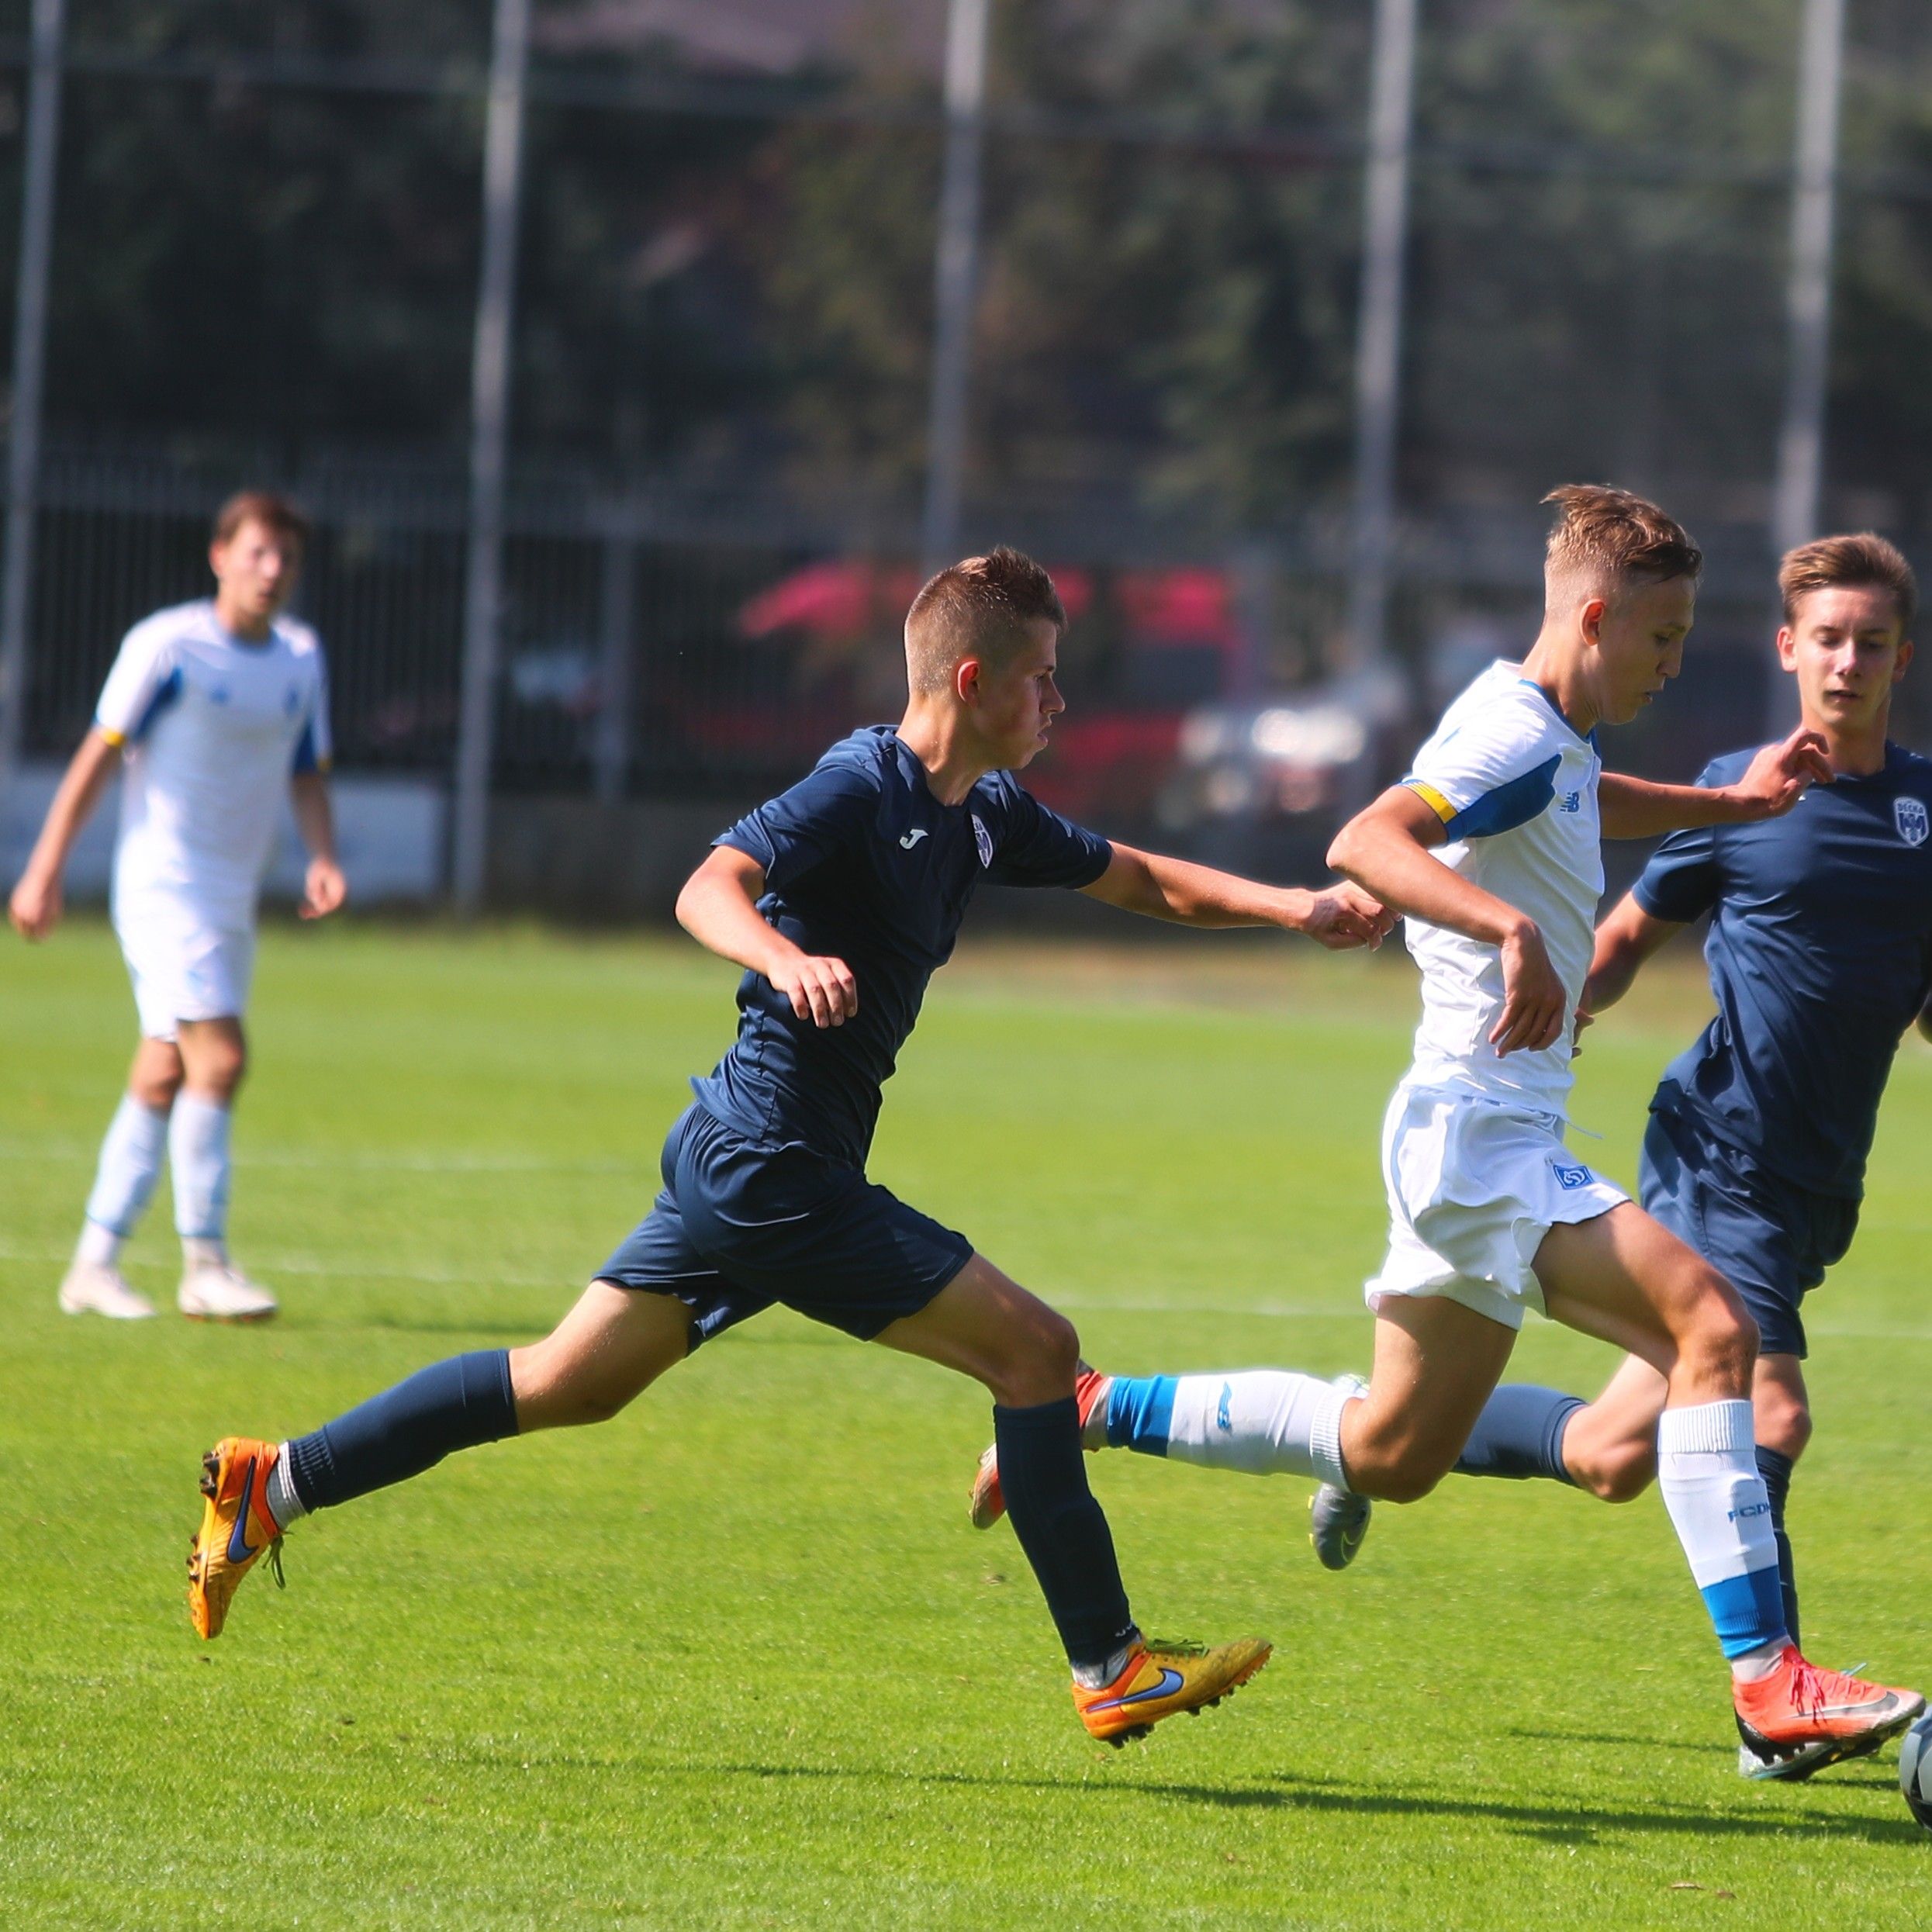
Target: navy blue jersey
(1820,955)
(863,863)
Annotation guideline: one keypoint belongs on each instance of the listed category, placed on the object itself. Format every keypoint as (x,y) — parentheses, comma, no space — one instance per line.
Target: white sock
(1266,1421)
(99,1247)
(129,1165)
(198,1151)
(1707,1469)
(285,1506)
(203,1254)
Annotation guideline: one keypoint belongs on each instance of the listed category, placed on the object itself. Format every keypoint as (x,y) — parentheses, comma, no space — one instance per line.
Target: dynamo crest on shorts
(1909,815)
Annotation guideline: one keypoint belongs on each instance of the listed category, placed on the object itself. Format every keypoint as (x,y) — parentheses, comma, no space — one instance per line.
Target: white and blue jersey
(1820,958)
(212,726)
(863,863)
(1515,788)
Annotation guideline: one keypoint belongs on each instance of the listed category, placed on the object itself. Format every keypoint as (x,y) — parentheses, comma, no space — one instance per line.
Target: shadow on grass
(1552,1823)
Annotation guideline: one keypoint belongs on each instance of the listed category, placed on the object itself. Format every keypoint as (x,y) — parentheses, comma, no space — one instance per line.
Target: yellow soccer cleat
(236,1528)
(1160,1679)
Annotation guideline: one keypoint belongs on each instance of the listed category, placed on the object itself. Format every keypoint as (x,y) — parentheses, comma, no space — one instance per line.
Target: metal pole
(610,747)
(30,367)
(955,277)
(1378,348)
(1801,442)
(489,417)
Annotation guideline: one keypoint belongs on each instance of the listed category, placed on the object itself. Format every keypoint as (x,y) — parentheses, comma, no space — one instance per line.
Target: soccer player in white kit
(1490,850)
(211,709)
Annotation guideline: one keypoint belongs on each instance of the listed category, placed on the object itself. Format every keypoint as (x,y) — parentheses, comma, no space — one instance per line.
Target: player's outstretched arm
(35,908)
(1627,937)
(1388,849)
(1774,781)
(718,908)
(1338,917)
(323,888)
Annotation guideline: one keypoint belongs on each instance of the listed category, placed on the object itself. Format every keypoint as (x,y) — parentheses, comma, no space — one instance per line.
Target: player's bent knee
(1620,1475)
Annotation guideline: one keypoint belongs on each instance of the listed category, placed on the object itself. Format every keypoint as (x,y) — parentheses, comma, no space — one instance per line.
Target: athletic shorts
(1771,1240)
(1474,1185)
(184,971)
(740,1224)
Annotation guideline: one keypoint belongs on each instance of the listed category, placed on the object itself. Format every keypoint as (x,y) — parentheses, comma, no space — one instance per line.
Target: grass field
(736,1659)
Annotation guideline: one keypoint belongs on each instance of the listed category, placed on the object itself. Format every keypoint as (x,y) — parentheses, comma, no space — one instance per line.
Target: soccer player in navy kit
(839,899)
(1820,958)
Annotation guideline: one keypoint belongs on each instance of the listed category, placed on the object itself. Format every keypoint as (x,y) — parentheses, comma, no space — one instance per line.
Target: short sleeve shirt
(863,863)
(1515,788)
(1820,958)
(212,726)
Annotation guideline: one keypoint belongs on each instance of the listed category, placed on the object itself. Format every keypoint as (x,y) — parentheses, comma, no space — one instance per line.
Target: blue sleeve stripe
(1509,805)
(1140,1413)
(305,759)
(167,692)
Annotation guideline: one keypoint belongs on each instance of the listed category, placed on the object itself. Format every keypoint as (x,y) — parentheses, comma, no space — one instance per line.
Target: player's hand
(1780,774)
(1584,1018)
(820,990)
(1344,915)
(35,908)
(1535,1007)
(323,890)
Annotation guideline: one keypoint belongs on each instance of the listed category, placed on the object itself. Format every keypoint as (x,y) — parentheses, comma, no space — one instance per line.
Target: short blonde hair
(276,514)
(1864,561)
(1609,537)
(979,607)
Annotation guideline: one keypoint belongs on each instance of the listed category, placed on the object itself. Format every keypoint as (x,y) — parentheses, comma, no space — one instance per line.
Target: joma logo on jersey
(1909,814)
(1570,1176)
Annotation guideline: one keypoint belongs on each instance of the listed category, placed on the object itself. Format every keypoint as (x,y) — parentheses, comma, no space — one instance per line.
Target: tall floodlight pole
(1378,341)
(955,278)
(30,367)
(1801,442)
(489,420)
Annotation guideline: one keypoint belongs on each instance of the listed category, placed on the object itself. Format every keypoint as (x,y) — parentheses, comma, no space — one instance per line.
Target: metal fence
(649,630)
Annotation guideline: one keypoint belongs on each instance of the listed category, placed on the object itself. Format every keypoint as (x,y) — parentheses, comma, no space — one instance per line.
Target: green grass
(736,1659)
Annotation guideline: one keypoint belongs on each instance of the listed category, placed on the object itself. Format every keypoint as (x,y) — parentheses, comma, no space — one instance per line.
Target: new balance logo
(1571,802)
(1223,1421)
(911,839)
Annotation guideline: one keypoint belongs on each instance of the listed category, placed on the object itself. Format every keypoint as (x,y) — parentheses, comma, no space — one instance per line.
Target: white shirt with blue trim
(1516,789)
(212,727)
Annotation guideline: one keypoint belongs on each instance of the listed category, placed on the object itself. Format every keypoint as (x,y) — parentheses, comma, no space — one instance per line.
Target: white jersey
(1516,791)
(213,726)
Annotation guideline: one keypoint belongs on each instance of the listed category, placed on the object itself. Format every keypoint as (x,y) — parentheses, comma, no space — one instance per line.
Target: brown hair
(1866,561)
(276,514)
(979,607)
(1609,536)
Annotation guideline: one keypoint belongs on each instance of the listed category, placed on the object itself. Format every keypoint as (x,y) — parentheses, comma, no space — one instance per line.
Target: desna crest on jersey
(1912,820)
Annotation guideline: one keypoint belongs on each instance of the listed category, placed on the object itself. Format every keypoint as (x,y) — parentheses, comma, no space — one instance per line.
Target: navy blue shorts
(1772,1241)
(740,1226)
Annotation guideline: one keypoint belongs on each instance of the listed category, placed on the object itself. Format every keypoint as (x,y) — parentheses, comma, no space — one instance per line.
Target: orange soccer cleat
(236,1528)
(1159,1680)
(1800,1719)
(988,1503)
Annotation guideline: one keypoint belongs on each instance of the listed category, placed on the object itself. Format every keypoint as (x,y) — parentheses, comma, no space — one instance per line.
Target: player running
(210,710)
(1491,850)
(1820,958)
(840,899)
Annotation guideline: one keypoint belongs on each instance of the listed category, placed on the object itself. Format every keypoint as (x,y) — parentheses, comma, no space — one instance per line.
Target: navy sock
(1520,1433)
(406,1429)
(1775,1467)
(1061,1527)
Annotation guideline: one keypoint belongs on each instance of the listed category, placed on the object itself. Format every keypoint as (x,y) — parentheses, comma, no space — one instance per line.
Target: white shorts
(182,971)
(1474,1185)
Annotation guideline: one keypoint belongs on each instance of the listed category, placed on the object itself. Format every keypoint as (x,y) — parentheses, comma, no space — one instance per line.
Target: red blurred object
(841,598)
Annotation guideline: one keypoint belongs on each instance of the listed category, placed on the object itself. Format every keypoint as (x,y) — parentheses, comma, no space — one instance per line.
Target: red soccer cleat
(1800,1719)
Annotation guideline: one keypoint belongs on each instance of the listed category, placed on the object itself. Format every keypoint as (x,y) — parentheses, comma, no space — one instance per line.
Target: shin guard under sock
(452,1404)
(1061,1528)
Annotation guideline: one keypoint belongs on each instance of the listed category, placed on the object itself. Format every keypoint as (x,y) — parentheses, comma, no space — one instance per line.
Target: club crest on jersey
(983,839)
(1570,1176)
(1909,815)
